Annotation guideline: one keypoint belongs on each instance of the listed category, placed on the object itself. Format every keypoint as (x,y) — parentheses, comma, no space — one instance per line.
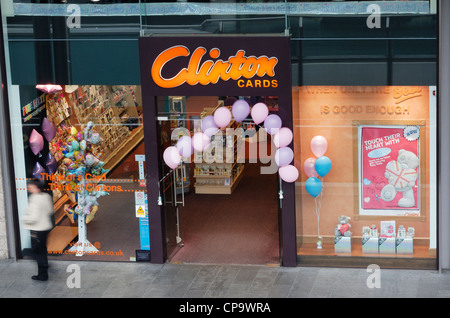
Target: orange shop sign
(206,68)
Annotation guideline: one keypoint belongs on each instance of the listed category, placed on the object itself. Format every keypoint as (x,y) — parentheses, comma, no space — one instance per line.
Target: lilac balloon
(200,141)
(209,126)
(184,146)
(283,137)
(288,173)
(240,110)
(38,170)
(259,113)
(284,156)
(51,164)
(222,117)
(36,142)
(48,129)
(272,124)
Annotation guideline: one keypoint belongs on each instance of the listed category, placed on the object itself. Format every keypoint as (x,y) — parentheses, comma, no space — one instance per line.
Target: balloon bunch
(36,142)
(221,118)
(314,168)
(79,161)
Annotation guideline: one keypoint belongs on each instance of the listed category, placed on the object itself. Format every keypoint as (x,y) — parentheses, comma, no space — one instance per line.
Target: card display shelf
(222,187)
(219,178)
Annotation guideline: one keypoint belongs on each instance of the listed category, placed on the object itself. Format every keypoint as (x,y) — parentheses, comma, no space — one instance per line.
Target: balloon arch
(282,136)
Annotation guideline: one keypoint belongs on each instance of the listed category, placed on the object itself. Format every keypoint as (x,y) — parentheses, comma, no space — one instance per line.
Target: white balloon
(200,141)
(172,157)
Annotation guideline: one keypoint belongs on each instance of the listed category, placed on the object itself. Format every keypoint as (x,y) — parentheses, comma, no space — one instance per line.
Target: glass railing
(152,8)
(104,35)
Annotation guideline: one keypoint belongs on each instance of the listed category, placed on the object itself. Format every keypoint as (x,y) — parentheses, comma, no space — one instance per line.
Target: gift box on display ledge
(404,242)
(386,242)
(342,244)
(386,245)
(369,240)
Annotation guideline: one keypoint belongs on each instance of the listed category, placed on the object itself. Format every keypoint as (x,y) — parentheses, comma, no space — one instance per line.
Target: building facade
(356,84)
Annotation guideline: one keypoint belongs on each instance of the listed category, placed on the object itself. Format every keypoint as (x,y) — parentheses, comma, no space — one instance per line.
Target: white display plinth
(386,245)
(342,244)
(83,246)
(370,245)
(404,245)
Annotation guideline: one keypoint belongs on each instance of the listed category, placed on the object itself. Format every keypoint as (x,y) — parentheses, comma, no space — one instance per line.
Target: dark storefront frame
(150,47)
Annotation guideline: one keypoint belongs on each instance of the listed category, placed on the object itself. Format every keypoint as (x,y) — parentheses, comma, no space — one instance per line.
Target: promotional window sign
(389,170)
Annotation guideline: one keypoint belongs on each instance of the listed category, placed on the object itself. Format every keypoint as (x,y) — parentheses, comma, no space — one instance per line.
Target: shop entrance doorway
(217,213)
(213,66)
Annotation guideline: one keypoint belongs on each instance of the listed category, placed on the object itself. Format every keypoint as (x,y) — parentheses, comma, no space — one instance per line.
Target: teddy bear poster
(390,168)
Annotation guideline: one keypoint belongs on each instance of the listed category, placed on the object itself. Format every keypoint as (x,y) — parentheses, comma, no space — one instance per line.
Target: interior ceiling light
(49,88)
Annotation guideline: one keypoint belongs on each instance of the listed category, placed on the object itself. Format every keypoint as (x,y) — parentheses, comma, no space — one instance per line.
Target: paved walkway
(103,279)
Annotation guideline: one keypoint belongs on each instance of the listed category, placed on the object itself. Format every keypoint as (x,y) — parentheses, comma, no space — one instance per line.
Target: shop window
(367,191)
(86,143)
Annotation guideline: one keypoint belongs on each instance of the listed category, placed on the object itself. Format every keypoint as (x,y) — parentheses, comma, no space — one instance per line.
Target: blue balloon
(313,186)
(323,166)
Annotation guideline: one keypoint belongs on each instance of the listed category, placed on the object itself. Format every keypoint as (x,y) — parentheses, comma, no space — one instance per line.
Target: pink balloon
(259,113)
(309,167)
(283,137)
(288,173)
(172,157)
(222,117)
(48,129)
(200,141)
(36,142)
(319,146)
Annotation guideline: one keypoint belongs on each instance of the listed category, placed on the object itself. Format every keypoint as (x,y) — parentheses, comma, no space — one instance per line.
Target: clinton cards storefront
(252,170)
(240,165)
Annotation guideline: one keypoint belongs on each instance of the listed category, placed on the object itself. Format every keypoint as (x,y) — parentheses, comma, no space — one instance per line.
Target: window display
(367,157)
(79,149)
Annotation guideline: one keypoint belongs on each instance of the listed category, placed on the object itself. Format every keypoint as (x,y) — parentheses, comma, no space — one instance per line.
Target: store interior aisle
(241,228)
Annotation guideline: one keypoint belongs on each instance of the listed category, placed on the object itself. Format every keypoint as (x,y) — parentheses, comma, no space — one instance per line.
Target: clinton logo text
(239,67)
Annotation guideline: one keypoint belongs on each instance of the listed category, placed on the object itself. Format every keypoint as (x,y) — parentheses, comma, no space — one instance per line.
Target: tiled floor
(99,279)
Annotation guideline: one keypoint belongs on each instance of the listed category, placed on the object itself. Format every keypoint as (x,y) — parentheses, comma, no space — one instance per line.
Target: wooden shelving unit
(110,108)
(218,184)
